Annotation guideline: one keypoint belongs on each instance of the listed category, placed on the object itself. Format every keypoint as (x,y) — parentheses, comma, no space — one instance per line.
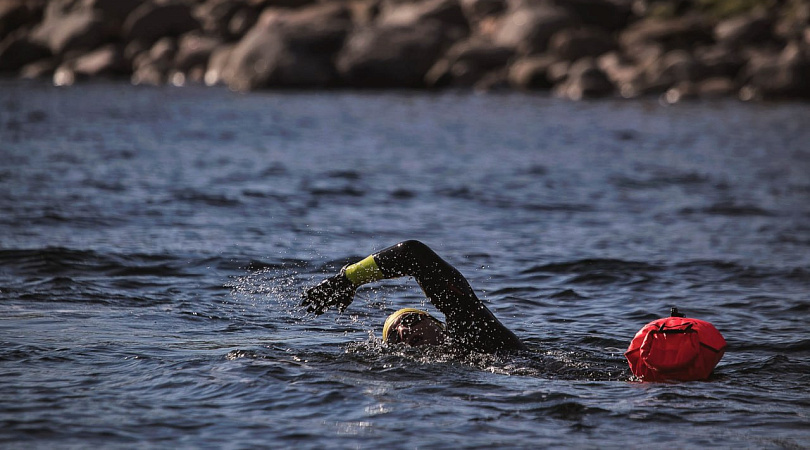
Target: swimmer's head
(413,327)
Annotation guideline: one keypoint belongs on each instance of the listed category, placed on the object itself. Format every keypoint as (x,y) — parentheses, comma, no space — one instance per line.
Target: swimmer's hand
(333,291)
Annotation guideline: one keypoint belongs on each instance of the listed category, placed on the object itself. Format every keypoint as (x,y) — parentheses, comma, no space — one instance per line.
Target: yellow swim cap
(393,318)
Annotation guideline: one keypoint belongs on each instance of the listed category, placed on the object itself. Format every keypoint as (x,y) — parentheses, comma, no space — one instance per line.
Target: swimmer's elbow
(413,245)
(417,249)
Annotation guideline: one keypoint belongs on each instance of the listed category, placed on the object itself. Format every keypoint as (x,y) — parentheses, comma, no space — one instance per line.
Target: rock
(15,14)
(611,15)
(407,14)
(782,76)
(477,10)
(216,16)
(287,4)
(629,78)
(716,87)
(678,66)
(466,62)
(495,80)
(364,12)
(217,64)
(558,71)
(531,72)
(391,56)
(744,30)
(528,29)
(719,61)
(572,44)
(793,23)
(585,80)
(43,68)
(708,88)
(153,67)
(671,34)
(149,74)
(289,49)
(18,49)
(64,31)
(193,50)
(102,62)
(241,22)
(115,10)
(154,20)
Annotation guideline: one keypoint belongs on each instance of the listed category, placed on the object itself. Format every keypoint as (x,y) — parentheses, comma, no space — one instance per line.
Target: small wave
(731,271)
(59,261)
(729,209)
(660,181)
(590,265)
(351,175)
(566,410)
(568,294)
(343,191)
(558,207)
(210,199)
(457,192)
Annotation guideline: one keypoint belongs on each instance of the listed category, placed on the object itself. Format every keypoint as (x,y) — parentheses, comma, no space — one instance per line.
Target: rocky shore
(677,49)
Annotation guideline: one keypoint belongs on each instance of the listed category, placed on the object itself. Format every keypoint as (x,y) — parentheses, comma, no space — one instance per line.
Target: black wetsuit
(469,321)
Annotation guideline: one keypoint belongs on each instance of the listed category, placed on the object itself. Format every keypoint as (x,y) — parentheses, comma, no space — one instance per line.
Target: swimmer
(470,323)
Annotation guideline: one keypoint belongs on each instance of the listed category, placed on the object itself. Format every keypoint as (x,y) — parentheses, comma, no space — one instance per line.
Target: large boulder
(289,49)
(478,10)
(15,14)
(468,61)
(66,29)
(528,29)
(628,77)
(157,19)
(793,22)
(709,88)
(216,17)
(531,72)
(18,50)
(678,66)
(448,12)
(669,34)
(572,44)
(391,56)
(608,14)
(743,30)
(39,69)
(218,64)
(720,61)
(585,80)
(153,67)
(784,75)
(114,10)
(193,50)
(106,61)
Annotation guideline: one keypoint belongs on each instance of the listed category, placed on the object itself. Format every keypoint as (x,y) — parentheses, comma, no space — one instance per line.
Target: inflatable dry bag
(675,348)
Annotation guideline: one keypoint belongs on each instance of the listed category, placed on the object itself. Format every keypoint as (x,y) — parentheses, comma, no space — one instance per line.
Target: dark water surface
(153,242)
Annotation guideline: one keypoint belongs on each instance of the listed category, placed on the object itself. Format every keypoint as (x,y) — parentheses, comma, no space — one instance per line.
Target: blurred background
(750,49)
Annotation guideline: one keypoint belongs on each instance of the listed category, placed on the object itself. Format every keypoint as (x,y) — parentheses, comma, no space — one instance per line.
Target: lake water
(154,242)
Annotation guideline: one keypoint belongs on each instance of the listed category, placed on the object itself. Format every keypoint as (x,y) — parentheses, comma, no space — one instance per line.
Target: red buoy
(675,348)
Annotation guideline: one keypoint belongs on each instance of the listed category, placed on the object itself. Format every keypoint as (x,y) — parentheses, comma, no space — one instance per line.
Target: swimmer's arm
(468,319)
(339,290)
